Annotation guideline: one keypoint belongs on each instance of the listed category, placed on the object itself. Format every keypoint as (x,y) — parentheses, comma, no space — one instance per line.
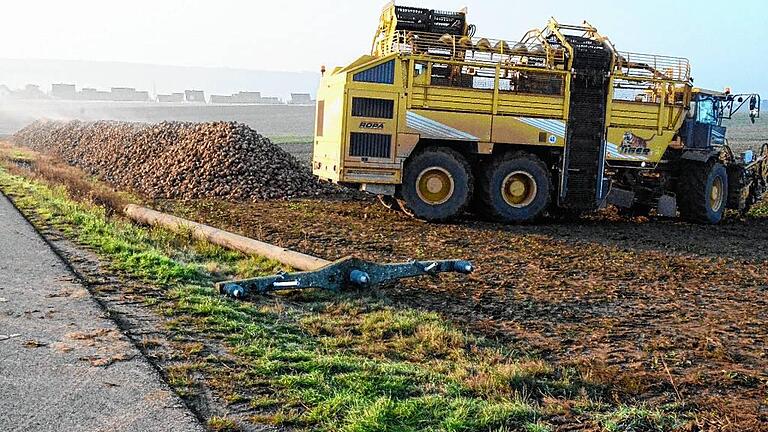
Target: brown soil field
(671,312)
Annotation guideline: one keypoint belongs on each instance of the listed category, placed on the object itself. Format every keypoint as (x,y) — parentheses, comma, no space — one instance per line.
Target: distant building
(197,96)
(246,97)
(221,99)
(64,91)
(171,98)
(122,93)
(129,94)
(271,101)
(91,94)
(301,99)
(243,97)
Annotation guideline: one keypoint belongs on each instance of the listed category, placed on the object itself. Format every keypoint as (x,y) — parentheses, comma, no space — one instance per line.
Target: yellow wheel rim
(519,189)
(764,163)
(435,185)
(764,166)
(716,195)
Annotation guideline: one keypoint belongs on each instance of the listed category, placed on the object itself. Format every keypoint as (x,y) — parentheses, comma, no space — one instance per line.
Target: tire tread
(486,178)
(692,191)
(459,159)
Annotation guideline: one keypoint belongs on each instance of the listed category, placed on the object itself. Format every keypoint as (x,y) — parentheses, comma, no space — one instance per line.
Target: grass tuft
(631,419)
(221,424)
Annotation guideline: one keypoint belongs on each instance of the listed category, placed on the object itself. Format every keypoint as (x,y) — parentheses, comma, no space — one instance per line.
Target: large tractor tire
(702,192)
(515,188)
(437,184)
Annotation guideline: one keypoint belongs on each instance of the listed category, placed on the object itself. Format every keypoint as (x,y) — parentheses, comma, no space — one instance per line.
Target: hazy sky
(724,39)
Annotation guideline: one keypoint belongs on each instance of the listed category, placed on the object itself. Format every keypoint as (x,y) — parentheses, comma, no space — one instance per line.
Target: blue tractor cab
(704,126)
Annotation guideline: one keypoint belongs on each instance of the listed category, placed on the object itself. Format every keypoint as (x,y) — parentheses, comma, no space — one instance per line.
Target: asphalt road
(63,365)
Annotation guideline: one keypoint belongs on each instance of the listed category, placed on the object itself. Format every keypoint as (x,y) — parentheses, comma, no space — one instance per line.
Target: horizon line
(160,64)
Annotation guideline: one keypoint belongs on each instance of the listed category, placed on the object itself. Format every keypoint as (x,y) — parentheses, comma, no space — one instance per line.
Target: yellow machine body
(513,94)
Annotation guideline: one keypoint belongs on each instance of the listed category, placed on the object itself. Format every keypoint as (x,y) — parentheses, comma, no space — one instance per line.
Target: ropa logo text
(371,125)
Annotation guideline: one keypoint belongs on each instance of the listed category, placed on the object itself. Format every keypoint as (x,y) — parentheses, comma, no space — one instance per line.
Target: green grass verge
(337,363)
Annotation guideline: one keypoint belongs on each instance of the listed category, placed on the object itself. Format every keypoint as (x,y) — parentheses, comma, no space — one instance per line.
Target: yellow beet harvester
(436,121)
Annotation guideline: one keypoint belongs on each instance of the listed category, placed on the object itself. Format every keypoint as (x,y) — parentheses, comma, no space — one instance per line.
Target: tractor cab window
(706,111)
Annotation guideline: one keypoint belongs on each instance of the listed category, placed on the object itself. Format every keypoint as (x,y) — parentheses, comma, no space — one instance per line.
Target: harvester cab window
(706,111)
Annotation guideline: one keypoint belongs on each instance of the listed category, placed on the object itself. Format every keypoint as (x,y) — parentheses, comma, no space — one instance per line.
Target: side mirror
(753,111)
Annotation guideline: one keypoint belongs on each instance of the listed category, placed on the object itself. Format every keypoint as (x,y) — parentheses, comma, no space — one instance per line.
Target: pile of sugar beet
(180,160)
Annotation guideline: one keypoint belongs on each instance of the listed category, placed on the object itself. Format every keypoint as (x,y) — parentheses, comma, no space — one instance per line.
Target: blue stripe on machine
(434,128)
(555,127)
(428,129)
